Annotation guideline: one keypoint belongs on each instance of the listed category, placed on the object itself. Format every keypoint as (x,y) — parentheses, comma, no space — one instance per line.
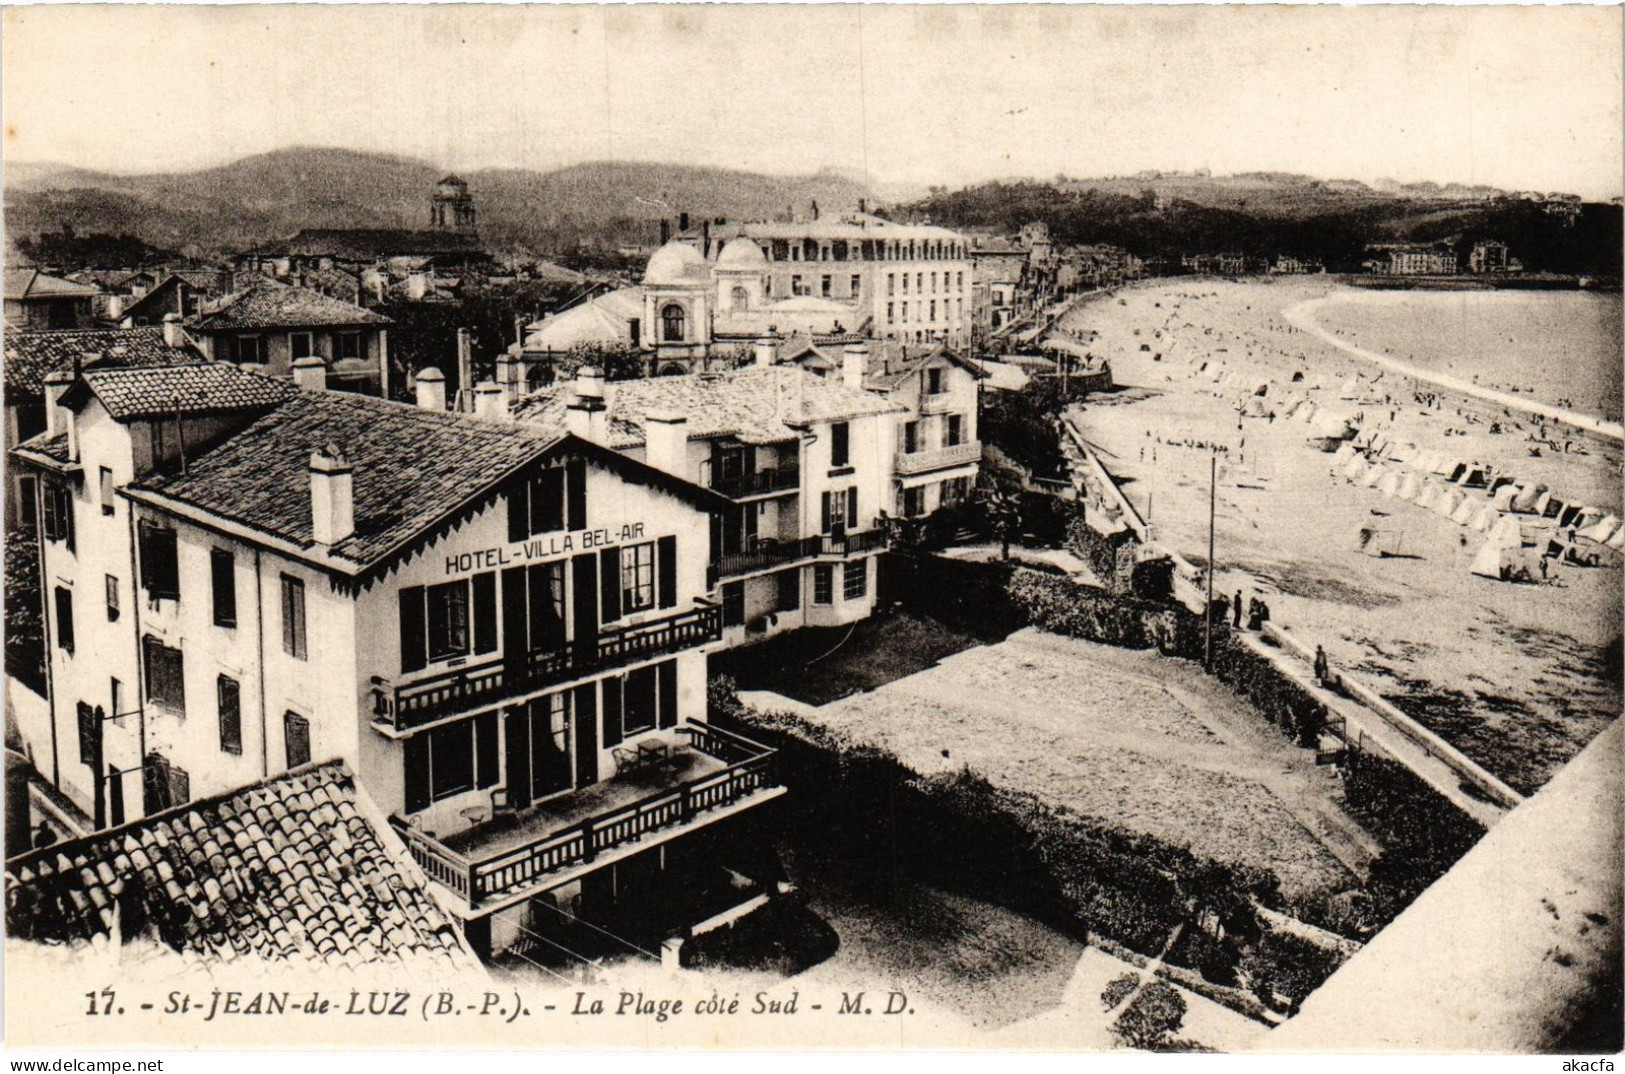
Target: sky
(1515,97)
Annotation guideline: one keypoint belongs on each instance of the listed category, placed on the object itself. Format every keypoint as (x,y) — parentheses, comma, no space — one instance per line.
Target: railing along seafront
(770,553)
(415,703)
(751,767)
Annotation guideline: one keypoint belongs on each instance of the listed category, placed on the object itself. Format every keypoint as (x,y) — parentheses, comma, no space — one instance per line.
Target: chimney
(310,373)
(332,496)
(431,389)
(465,363)
(666,436)
(766,350)
(665,231)
(174,334)
(56,416)
(511,371)
(490,401)
(854,363)
(588,415)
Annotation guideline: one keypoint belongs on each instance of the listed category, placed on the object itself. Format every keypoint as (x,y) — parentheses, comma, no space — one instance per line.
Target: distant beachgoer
(1543,568)
(1238,610)
(1322,666)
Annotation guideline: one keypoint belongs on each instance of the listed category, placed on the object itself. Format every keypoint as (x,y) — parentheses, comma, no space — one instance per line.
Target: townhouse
(271,327)
(501,630)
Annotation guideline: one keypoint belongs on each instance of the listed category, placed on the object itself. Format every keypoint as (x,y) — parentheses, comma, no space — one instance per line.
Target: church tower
(451,207)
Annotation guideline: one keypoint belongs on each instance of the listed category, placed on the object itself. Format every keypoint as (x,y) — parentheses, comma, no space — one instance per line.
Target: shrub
(1120,988)
(1283,969)
(1153,1018)
(25,622)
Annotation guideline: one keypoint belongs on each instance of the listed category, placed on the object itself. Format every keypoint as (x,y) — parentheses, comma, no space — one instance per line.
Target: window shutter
(666,571)
(485,750)
(609,585)
(852,508)
(825,527)
(417,773)
(612,712)
(485,612)
(667,688)
(180,786)
(518,508)
(64,619)
(225,587)
(414,639)
(296,739)
(575,490)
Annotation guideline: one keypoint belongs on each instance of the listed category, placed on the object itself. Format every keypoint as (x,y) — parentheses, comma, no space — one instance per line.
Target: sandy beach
(1512,674)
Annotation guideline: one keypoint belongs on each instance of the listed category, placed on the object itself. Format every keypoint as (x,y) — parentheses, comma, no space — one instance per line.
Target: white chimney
(310,373)
(588,415)
(465,366)
(56,416)
(332,496)
(665,434)
(174,334)
(511,370)
(766,350)
(431,389)
(854,363)
(490,402)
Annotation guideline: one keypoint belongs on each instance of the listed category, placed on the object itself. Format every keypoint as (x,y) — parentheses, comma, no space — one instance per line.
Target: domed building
(741,273)
(677,297)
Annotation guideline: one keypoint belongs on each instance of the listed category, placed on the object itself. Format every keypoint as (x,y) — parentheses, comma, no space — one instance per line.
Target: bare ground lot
(1140,741)
(1514,675)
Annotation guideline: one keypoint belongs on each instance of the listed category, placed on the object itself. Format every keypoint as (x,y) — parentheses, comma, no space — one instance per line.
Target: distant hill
(238,205)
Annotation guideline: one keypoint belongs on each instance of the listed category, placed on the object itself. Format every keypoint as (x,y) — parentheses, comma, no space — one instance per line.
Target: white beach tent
(1389,485)
(1429,494)
(1307,412)
(1448,501)
(1509,532)
(1344,453)
(1350,389)
(1528,495)
(1617,541)
(1504,496)
(1465,513)
(1373,476)
(1601,530)
(1486,518)
(1354,468)
(1443,464)
(1543,505)
(1504,564)
(1335,426)
(1410,487)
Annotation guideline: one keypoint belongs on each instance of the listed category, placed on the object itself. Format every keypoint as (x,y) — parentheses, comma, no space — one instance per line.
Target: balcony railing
(476,878)
(768,554)
(777,479)
(463,689)
(939,403)
(918,462)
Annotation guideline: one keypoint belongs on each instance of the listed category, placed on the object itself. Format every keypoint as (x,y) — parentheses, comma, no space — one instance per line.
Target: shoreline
(1302,316)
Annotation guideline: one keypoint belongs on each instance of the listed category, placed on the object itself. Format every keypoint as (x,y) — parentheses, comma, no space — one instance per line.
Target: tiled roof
(207,388)
(31,355)
(52,448)
(412,467)
(756,405)
(290,869)
(372,244)
(21,284)
(268,304)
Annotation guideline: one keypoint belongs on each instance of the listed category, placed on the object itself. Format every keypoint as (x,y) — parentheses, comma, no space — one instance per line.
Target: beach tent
(1255,408)
(1354,467)
(1527,497)
(1428,496)
(1552,507)
(1444,465)
(1373,476)
(1617,541)
(1473,476)
(1448,501)
(1262,388)
(1350,389)
(1590,516)
(1600,531)
(1464,514)
(1389,485)
(1543,506)
(1405,452)
(1504,496)
(1344,453)
(1570,514)
(1376,540)
(1486,519)
(1505,564)
(1510,532)
(1336,426)
(1410,487)
(1307,412)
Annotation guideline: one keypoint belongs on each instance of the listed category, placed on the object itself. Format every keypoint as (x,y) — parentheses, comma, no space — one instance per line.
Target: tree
(1152,1018)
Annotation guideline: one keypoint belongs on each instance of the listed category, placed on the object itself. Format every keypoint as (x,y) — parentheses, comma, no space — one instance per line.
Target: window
(891,313)
(293,617)
(905,305)
(296,738)
(106,484)
(638,577)
(223,576)
(823,583)
(933,282)
(798,286)
(733,604)
(933,310)
(228,696)
(165,674)
(641,701)
(857,285)
(919,282)
(840,510)
(905,287)
(741,298)
(824,286)
(671,323)
(450,760)
(913,502)
(840,444)
(855,579)
(347,345)
(891,284)
(110,583)
(64,619)
(160,570)
(301,345)
(436,620)
(955,432)
(789,584)
(27,493)
(447,619)
(911,437)
(58,513)
(933,382)
(547,501)
(250,349)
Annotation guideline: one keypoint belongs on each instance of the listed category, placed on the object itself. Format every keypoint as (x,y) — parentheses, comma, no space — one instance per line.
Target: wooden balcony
(759,482)
(940,403)
(551,843)
(919,462)
(770,554)
(459,690)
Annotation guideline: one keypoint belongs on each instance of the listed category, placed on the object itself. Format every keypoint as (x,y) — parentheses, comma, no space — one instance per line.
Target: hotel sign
(544,547)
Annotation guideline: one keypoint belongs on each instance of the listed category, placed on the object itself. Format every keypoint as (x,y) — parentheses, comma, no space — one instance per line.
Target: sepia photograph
(842,528)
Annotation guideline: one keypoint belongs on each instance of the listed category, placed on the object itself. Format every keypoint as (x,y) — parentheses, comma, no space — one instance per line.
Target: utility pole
(1212,511)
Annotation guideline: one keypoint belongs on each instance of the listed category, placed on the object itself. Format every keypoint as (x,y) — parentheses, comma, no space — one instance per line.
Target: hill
(272,195)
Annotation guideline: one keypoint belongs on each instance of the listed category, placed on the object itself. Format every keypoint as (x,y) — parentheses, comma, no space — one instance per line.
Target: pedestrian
(1254,617)
(43,836)
(1322,667)
(1238,610)
(1543,569)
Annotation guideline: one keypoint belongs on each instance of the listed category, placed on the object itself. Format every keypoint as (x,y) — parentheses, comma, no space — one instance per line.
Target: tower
(451,207)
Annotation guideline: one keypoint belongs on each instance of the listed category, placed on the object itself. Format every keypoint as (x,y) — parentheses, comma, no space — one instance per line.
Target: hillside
(273,195)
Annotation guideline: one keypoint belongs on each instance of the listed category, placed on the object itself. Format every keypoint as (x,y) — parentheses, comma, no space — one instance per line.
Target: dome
(742,254)
(675,263)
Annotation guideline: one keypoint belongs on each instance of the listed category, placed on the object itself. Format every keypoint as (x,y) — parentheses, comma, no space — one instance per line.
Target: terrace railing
(917,462)
(776,479)
(768,554)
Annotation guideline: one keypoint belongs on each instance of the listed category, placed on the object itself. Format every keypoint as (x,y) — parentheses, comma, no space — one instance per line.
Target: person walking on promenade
(1238,610)
(1322,666)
